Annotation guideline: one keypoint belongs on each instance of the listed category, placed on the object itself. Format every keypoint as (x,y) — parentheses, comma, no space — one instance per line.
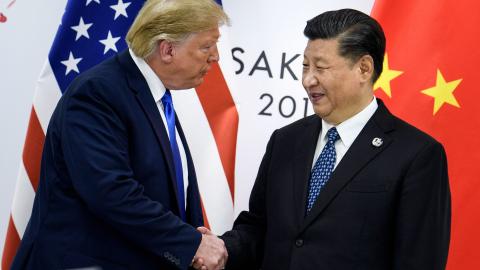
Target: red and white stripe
(47,94)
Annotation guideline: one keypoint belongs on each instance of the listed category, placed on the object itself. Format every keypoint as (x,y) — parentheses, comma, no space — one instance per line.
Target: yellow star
(385,78)
(442,92)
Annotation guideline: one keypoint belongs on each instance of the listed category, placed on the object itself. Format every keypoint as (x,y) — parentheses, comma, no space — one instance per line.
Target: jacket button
(299,242)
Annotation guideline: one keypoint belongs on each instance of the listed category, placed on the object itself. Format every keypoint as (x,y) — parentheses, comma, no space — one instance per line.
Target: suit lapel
(360,153)
(144,96)
(304,152)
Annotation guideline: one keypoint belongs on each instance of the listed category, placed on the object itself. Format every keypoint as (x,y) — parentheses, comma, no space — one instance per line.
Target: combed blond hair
(172,20)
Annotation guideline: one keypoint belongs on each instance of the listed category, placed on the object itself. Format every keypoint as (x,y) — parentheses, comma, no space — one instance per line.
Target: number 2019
(287,106)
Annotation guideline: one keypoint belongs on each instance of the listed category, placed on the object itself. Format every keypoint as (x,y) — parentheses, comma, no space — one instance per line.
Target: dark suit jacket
(384,207)
(107,195)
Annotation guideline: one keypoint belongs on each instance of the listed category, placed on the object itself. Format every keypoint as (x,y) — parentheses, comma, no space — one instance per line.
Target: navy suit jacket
(106,196)
(385,207)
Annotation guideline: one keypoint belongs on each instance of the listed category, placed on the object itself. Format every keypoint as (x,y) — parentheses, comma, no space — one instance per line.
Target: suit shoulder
(98,80)
(294,131)
(300,124)
(407,131)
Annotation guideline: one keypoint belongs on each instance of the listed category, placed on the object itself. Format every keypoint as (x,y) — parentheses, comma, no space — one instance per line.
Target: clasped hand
(211,254)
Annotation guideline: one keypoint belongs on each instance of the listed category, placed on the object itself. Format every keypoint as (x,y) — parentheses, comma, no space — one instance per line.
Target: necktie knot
(332,135)
(167,98)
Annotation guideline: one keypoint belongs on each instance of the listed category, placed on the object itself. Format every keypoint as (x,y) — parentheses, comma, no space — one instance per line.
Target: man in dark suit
(352,187)
(118,188)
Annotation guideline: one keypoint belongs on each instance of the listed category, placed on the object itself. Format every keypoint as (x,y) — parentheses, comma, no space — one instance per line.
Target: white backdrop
(263,34)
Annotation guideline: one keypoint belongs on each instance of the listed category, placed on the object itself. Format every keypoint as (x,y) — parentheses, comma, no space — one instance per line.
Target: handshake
(211,254)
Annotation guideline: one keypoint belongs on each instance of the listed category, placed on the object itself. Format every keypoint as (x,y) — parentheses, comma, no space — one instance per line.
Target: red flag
(430,80)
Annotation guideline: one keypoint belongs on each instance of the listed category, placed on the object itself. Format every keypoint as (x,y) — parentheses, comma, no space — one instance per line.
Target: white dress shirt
(158,90)
(348,131)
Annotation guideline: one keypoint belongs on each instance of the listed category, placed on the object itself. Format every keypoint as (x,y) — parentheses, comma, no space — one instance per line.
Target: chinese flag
(430,79)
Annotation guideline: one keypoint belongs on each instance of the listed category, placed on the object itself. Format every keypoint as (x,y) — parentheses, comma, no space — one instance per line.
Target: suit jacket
(106,196)
(385,207)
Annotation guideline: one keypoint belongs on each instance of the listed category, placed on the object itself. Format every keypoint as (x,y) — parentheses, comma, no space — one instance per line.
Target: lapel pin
(377,142)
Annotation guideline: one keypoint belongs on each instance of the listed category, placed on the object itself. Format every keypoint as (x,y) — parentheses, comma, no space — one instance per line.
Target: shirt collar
(154,83)
(350,128)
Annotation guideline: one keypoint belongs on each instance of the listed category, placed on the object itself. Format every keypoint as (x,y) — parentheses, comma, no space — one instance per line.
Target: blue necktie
(177,161)
(323,168)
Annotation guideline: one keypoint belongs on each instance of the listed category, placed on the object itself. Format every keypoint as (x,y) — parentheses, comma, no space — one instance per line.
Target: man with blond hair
(118,188)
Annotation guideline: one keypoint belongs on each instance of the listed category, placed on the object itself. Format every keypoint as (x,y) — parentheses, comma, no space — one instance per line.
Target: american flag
(90,32)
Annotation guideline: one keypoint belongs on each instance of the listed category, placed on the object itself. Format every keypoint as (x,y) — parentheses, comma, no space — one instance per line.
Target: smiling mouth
(315,96)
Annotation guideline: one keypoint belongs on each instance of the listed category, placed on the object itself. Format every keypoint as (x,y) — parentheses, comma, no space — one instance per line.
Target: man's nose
(214,56)
(309,79)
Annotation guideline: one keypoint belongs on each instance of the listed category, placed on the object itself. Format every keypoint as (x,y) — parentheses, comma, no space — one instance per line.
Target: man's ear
(366,68)
(166,51)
